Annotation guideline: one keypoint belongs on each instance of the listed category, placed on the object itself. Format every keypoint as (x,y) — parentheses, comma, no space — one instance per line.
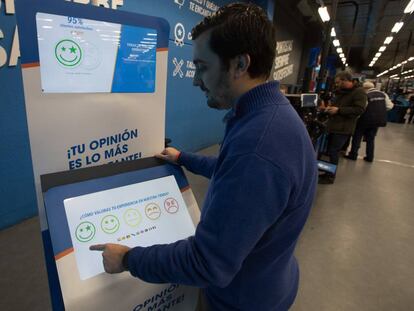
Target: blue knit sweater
(260,194)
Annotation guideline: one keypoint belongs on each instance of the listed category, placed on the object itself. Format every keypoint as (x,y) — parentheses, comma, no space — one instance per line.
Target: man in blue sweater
(262,183)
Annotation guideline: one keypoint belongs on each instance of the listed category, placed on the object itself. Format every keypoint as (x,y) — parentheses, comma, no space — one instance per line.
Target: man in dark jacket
(349,103)
(375,116)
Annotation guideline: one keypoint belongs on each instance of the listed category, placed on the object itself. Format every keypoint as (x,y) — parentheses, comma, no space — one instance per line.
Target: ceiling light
(333,33)
(378,54)
(410,59)
(375,59)
(382,48)
(388,40)
(342,55)
(397,27)
(323,13)
(404,62)
(410,7)
(371,65)
(339,50)
(336,42)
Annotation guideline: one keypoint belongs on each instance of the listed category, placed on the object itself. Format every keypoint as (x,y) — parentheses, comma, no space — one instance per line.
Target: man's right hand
(169,154)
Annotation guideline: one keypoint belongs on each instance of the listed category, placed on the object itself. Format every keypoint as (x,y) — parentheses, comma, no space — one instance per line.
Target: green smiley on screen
(110,224)
(68,53)
(85,231)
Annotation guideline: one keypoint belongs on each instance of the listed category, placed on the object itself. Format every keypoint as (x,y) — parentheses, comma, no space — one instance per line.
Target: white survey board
(141,214)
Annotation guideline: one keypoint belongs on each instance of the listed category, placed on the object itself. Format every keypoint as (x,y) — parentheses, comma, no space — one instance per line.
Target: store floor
(356,251)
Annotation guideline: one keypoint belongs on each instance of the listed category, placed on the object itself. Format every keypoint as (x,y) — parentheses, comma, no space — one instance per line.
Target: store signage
(15,49)
(282,68)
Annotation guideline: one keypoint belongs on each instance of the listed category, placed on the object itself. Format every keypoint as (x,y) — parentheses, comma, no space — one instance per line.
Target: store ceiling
(362,26)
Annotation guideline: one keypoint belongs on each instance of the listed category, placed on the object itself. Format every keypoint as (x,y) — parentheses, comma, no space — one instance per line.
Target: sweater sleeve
(248,195)
(357,104)
(198,164)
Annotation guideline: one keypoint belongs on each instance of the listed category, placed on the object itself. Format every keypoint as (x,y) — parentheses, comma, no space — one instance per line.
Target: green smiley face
(85,231)
(110,224)
(132,217)
(68,53)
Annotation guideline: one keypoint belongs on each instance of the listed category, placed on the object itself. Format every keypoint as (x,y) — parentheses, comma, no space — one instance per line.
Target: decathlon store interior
(355,251)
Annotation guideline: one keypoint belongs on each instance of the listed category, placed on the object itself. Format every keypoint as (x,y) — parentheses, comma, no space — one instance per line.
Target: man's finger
(97,247)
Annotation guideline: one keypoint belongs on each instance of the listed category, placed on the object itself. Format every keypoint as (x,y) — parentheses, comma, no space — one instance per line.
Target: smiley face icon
(110,224)
(171,205)
(132,217)
(85,231)
(152,211)
(68,53)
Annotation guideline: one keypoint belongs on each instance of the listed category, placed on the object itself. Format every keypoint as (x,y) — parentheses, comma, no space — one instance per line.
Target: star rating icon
(72,49)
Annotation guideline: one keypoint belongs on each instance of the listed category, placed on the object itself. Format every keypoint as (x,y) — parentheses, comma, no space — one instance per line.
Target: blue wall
(189,122)
(17,193)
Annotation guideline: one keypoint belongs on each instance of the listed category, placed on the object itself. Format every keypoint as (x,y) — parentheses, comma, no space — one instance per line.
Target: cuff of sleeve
(134,255)
(182,158)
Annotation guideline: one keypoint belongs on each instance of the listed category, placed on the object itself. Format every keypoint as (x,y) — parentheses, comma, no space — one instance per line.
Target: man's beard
(215,104)
(225,103)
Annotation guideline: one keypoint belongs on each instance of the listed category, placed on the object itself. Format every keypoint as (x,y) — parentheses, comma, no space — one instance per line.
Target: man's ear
(241,65)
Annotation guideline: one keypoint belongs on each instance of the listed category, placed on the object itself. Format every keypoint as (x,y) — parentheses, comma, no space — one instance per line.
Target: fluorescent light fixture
(410,59)
(382,48)
(397,27)
(323,13)
(388,40)
(393,76)
(375,59)
(386,71)
(371,65)
(342,55)
(404,62)
(410,7)
(333,33)
(343,59)
(336,42)
(399,65)
(378,54)
(339,50)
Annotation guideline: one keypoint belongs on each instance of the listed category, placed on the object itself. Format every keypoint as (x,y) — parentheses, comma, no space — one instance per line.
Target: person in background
(374,116)
(349,103)
(262,183)
(411,113)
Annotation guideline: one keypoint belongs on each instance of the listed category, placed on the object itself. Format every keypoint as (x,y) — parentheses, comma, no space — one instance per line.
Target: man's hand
(332,110)
(112,255)
(169,154)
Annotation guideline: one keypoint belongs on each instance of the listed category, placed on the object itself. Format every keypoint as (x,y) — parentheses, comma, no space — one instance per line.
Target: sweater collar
(259,96)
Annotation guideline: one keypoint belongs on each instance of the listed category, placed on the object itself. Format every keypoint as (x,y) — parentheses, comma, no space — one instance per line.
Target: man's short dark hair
(241,28)
(344,76)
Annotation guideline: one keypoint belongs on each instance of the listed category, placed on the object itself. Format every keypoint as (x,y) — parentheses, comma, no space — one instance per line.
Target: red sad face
(171,205)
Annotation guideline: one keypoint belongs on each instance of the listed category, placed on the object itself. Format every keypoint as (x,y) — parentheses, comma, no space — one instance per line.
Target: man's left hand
(112,255)
(332,110)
